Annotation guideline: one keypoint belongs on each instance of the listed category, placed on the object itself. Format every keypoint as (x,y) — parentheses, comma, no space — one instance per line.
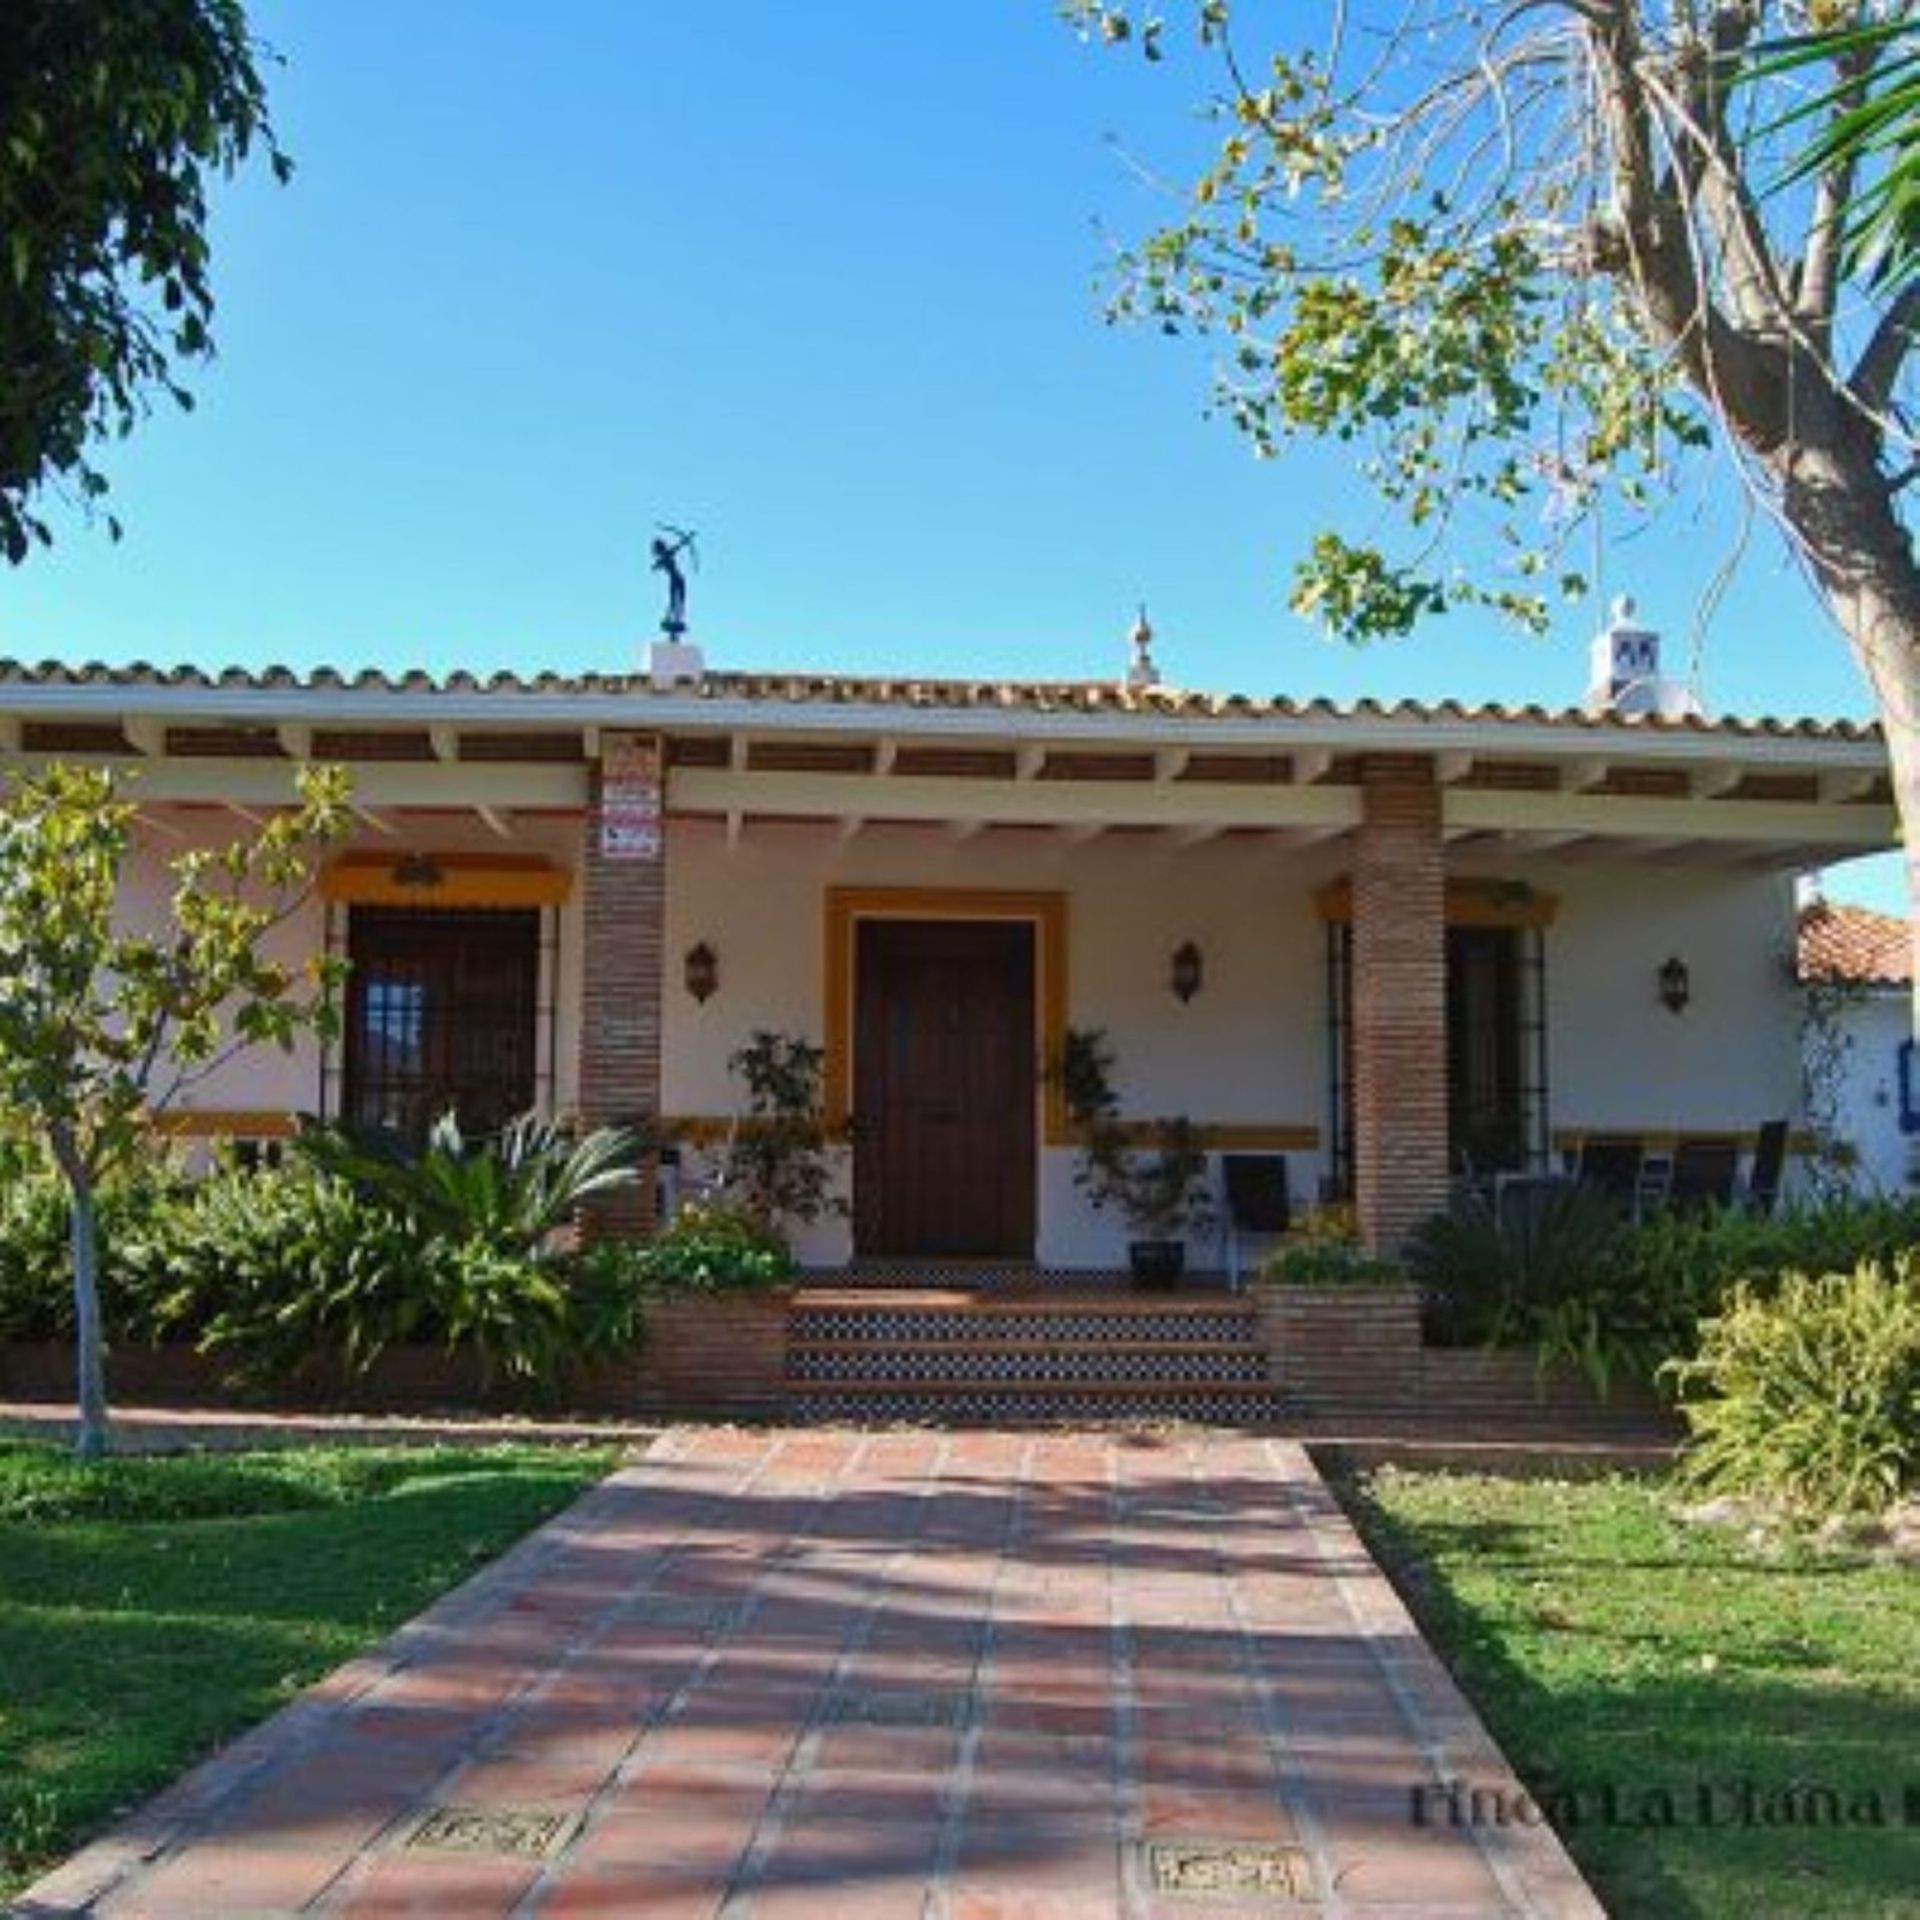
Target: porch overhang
(1075,761)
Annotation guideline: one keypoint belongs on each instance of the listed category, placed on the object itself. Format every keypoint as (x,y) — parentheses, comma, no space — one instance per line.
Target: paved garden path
(965,1676)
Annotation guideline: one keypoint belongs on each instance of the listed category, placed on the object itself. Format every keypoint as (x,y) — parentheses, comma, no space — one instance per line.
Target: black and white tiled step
(823,1317)
(1176,1364)
(940,1356)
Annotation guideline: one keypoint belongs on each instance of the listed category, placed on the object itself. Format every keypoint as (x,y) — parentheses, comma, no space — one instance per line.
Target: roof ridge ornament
(1142,674)
(671,660)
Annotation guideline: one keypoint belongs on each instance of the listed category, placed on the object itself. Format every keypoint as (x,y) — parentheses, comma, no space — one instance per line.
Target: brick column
(1399,1001)
(624,914)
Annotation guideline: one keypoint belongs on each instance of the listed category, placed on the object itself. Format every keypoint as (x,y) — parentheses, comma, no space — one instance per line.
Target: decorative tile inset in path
(509,1830)
(1065,1676)
(1225,1870)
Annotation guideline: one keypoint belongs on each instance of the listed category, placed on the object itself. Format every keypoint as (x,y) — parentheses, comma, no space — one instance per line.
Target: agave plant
(512,1192)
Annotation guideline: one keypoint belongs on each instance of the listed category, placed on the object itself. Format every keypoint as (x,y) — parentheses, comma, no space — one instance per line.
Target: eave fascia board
(512,710)
(1857,827)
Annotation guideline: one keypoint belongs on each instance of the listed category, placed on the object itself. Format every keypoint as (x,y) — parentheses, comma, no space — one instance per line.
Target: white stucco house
(1412,936)
(1858,966)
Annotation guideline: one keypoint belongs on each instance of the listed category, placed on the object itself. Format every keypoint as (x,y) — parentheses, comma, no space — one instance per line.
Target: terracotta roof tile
(1842,943)
(799,689)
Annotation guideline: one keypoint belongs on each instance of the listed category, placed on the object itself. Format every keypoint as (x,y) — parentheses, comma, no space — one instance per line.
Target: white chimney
(675,663)
(1624,672)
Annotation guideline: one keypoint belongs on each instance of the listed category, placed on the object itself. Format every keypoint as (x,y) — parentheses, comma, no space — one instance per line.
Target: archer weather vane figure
(666,559)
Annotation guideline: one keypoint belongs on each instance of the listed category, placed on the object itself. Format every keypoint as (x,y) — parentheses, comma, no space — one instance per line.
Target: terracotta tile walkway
(966,1676)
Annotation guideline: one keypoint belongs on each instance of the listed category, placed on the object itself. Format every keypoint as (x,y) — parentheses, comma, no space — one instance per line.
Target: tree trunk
(1841,508)
(90,1443)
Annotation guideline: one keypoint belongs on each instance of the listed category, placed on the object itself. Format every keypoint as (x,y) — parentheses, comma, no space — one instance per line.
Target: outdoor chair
(1705,1168)
(1769,1168)
(1257,1203)
(1611,1166)
(1656,1181)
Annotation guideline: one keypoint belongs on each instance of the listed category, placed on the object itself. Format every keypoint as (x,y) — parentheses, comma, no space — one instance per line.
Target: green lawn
(1603,1642)
(151,1607)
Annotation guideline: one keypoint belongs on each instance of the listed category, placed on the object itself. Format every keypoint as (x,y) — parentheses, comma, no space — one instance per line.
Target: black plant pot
(1157,1264)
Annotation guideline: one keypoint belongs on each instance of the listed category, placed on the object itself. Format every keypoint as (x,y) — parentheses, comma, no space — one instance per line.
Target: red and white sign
(629,797)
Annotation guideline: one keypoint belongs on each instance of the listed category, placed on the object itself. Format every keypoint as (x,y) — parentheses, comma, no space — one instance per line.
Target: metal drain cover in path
(899,1708)
(683,1613)
(1228,1869)
(519,1831)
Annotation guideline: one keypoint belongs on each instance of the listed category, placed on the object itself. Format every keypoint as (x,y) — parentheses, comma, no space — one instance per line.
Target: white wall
(1617,1059)
(264,1079)
(1867,1104)
(1252,1046)
(1249,1048)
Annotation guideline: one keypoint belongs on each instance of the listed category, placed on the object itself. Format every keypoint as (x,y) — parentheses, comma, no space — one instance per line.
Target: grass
(150,1608)
(1602,1640)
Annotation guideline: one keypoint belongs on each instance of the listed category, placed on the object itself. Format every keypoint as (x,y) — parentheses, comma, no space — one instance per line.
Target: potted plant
(1155,1176)
(778,1164)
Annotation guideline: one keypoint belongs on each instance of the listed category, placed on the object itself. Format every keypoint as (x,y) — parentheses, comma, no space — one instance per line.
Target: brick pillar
(624,913)
(1399,1001)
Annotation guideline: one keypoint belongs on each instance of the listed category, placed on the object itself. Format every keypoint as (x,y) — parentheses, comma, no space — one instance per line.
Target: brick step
(1034,1403)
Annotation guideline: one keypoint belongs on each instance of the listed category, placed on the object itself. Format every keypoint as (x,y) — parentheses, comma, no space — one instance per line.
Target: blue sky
(822,281)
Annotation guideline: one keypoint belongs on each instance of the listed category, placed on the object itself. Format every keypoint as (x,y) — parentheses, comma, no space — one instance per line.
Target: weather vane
(666,559)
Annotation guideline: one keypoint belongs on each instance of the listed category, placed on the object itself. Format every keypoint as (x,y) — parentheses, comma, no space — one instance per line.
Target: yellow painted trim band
(1665,1139)
(226,1123)
(445,880)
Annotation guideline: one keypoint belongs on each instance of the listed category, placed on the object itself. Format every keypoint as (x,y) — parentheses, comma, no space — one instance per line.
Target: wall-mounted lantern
(702,972)
(1676,984)
(418,870)
(1187,974)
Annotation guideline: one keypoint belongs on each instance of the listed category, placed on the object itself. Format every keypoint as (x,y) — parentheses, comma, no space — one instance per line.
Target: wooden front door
(944,1088)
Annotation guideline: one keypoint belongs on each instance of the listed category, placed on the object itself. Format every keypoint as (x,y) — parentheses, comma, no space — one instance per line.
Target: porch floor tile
(966,1676)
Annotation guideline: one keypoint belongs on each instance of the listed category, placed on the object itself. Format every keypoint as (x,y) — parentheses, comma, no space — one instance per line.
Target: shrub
(1324,1250)
(714,1247)
(1573,1280)
(1486,1270)
(1693,1261)
(36,1252)
(512,1194)
(1810,1398)
(606,1299)
(1546,1270)
(277,1266)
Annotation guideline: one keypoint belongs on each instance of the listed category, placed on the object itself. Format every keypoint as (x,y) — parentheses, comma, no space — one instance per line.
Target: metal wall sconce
(702,972)
(1676,984)
(1188,972)
(418,870)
